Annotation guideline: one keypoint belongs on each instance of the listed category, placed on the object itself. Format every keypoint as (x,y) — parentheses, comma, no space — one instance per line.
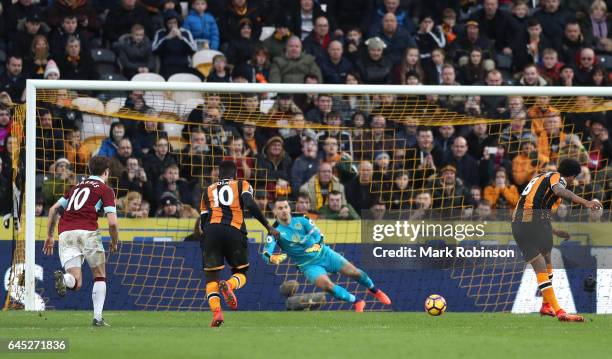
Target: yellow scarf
(319,195)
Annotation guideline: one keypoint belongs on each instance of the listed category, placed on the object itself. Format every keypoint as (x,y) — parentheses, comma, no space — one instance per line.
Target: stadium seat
(173,129)
(266,105)
(177,142)
(112,77)
(148,77)
(89,104)
(93,143)
(184,108)
(105,60)
(94,125)
(114,105)
(202,60)
(159,103)
(266,32)
(182,96)
(606,62)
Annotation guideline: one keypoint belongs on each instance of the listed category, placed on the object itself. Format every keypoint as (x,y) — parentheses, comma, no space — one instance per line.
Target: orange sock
(548,293)
(549,270)
(212,294)
(237,281)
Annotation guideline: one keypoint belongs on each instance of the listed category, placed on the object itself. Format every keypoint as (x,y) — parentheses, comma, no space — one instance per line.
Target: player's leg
(71,258)
(235,251)
(362,278)
(546,308)
(212,257)
(325,283)
(93,251)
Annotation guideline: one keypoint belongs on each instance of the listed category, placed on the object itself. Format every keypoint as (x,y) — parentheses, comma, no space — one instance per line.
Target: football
(435,305)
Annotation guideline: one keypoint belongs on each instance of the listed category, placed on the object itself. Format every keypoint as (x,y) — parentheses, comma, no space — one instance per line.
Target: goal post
(34,87)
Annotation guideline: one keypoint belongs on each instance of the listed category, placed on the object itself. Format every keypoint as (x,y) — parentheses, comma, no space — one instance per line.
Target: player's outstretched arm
(565,193)
(268,255)
(52,221)
(113,229)
(247,199)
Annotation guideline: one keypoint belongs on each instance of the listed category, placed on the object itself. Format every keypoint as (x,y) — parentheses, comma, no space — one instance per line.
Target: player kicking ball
(79,238)
(303,242)
(533,232)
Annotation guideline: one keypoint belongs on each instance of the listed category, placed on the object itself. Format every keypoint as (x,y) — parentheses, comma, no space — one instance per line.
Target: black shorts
(224,243)
(533,238)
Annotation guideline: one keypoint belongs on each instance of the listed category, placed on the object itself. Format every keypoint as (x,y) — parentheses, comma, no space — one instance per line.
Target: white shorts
(81,245)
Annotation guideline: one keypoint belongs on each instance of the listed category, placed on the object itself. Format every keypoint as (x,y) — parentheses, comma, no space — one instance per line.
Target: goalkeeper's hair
(569,167)
(98,164)
(227,170)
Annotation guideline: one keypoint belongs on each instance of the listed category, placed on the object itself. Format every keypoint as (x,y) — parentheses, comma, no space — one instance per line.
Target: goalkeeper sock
(549,270)
(365,281)
(70,281)
(98,295)
(548,293)
(212,295)
(342,294)
(237,281)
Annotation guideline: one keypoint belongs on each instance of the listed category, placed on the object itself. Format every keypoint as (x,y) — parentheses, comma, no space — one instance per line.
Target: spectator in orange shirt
(500,193)
(539,112)
(526,164)
(75,151)
(552,139)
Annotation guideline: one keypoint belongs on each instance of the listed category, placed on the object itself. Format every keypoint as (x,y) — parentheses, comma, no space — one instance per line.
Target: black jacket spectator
(120,19)
(229,21)
(335,73)
(174,46)
(495,28)
(374,71)
(132,55)
(79,67)
(17,12)
(553,22)
(12,81)
(86,12)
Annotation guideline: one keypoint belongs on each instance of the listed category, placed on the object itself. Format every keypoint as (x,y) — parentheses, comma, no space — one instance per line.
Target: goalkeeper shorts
(329,261)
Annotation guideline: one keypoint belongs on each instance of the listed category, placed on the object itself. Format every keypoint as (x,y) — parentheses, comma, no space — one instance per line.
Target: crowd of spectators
(371,164)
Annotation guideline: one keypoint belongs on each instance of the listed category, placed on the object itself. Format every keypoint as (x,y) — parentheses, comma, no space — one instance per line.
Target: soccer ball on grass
(435,305)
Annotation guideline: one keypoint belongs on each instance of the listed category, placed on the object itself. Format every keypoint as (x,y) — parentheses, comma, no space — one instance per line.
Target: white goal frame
(34,85)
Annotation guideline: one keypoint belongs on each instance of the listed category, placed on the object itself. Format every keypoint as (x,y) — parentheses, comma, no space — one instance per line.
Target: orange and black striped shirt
(538,199)
(223,203)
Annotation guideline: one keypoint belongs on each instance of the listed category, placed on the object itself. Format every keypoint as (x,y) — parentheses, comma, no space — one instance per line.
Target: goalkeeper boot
(60,285)
(360,306)
(547,310)
(382,297)
(99,323)
(217,319)
(228,295)
(564,317)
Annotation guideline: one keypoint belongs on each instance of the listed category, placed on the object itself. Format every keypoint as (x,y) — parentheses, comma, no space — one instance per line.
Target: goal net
(343,156)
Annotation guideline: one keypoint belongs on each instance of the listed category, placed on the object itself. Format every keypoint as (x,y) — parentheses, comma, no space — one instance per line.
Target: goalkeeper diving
(302,241)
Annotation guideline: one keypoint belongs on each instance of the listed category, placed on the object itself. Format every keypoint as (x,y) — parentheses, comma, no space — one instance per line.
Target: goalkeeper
(303,242)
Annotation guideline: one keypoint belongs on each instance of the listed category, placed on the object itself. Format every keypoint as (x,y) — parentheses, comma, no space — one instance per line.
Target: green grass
(177,335)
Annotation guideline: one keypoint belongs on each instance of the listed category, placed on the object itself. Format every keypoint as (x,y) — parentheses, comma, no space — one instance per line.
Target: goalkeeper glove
(315,248)
(277,258)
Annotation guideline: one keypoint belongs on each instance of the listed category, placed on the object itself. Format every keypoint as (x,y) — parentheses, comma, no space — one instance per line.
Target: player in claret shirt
(79,238)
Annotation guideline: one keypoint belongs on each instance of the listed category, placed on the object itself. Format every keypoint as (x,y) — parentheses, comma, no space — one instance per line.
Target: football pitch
(173,335)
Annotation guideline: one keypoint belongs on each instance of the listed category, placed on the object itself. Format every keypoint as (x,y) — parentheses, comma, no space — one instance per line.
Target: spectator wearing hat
(449,194)
(202,25)
(468,40)
(494,23)
(305,165)
(318,39)
(58,180)
(134,52)
(395,37)
(276,43)
(16,12)
(75,63)
(374,67)
(171,207)
(274,166)
(234,12)
(13,80)
(321,184)
(240,49)
(335,210)
(58,39)
(429,37)
(21,41)
(294,65)
(123,16)
(174,46)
